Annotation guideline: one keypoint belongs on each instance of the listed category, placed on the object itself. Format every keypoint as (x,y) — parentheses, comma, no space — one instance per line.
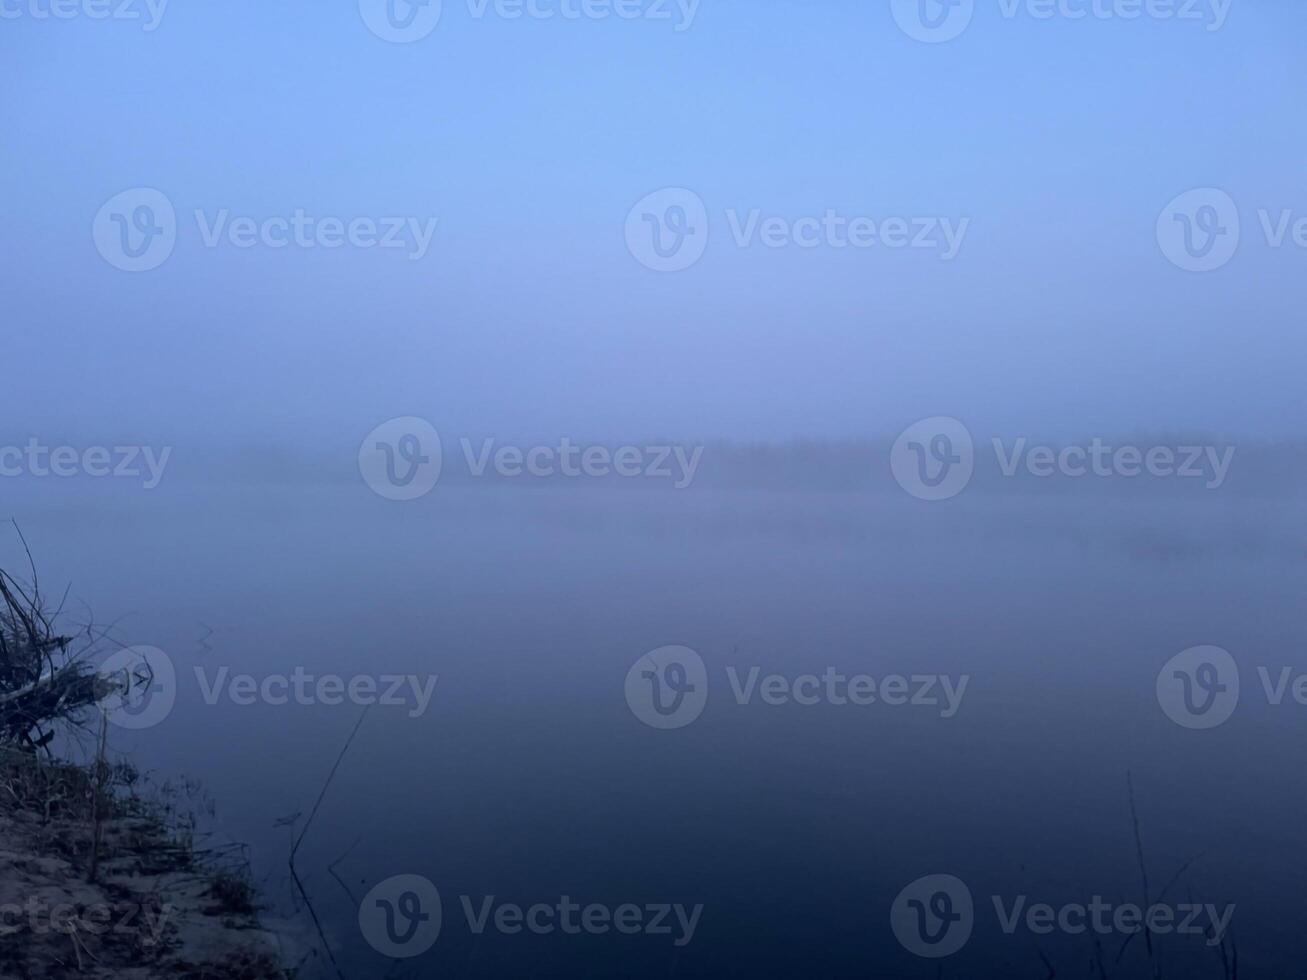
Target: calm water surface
(528,777)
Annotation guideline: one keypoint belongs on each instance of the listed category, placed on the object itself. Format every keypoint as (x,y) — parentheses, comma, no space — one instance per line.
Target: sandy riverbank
(156,906)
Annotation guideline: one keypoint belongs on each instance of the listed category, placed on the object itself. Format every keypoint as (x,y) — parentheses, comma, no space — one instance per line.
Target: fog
(529,140)
(828,470)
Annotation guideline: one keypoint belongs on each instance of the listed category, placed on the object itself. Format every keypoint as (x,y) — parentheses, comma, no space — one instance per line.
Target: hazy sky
(530,140)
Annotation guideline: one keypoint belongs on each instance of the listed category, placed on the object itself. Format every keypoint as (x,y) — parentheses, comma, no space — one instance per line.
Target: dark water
(528,777)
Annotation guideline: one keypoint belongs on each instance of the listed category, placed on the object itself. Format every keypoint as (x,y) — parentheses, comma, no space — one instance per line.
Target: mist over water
(528,774)
(752,489)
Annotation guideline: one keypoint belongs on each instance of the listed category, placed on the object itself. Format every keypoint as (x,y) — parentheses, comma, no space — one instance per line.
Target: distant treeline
(1139,464)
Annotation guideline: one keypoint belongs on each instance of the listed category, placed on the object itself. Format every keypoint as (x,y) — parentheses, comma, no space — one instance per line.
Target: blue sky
(529,141)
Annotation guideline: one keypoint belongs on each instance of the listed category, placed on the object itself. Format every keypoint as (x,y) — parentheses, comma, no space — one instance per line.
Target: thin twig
(317,924)
(1143,870)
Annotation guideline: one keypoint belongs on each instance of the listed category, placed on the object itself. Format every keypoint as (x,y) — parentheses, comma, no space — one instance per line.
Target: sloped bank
(95,883)
(100,876)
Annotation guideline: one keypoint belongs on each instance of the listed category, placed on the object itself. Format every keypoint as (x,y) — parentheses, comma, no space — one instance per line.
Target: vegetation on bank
(102,874)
